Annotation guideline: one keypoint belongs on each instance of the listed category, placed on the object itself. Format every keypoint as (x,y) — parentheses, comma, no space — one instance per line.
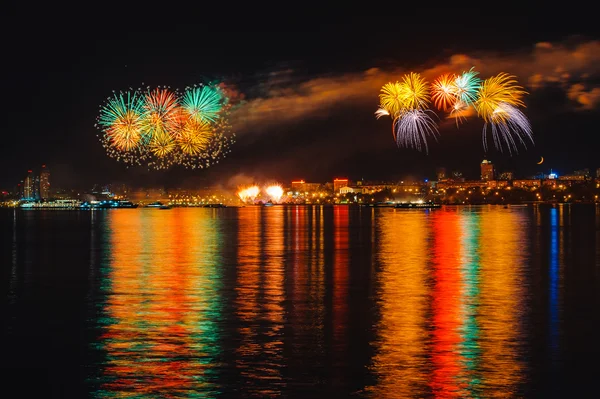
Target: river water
(302,301)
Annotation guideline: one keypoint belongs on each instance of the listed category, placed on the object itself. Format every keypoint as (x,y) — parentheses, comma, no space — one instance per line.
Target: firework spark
(413,128)
(459,111)
(275,192)
(508,125)
(381,112)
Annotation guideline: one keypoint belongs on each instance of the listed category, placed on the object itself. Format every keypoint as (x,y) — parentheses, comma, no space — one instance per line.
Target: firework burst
(497,90)
(159,128)
(444,92)
(203,103)
(392,98)
(415,91)
(275,192)
(467,85)
(495,100)
(121,117)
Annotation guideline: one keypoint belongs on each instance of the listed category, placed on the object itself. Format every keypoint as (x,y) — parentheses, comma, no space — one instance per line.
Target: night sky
(311,89)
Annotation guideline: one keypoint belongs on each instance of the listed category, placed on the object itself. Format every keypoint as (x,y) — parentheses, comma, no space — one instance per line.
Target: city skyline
(38,186)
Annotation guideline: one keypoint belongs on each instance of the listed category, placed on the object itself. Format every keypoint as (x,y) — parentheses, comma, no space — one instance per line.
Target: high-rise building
(487,170)
(44,183)
(36,188)
(29,185)
(441,174)
(339,183)
(598,173)
(19,189)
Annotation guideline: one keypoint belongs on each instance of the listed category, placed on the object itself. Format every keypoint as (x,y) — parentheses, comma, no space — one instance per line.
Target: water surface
(301,301)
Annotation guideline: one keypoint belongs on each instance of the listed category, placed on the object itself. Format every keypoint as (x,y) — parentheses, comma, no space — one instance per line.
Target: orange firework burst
(275,192)
(443,92)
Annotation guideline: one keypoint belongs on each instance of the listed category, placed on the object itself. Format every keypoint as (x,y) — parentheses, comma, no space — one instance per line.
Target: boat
(164,207)
(156,204)
(214,206)
(387,204)
(107,204)
(417,205)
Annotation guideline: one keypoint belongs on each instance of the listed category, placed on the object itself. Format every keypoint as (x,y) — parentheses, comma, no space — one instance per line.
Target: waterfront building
(44,183)
(302,186)
(441,174)
(29,186)
(338,183)
(497,183)
(487,170)
(527,183)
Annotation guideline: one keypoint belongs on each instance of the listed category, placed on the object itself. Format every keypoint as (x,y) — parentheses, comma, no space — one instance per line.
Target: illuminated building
(304,187)
(527,183)
(44,183)
(487,170)
(29,185)
(573,177)
(583,172)
(497,183)
(339,183)
(598,173)
(298,185)
(441,174)
(506,176)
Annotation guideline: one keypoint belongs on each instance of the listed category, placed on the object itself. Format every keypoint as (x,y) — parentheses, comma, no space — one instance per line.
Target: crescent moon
(541,161)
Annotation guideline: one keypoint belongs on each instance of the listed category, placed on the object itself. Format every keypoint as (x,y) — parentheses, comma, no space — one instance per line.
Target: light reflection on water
(300,301)
(162,305)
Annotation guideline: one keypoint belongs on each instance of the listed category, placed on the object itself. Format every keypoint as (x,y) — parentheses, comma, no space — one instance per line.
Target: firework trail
(508,125)
(413,129)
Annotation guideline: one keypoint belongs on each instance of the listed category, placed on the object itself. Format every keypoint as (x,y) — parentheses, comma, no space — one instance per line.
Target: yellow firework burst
(416,91)
(392,98)
(194,136)
(161,144)
(500,89)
